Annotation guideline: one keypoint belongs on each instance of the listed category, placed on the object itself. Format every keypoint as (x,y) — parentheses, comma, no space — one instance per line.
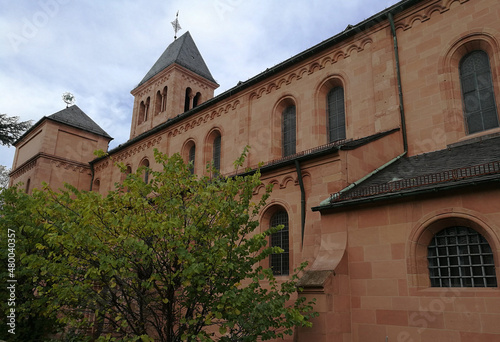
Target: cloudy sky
(100,50)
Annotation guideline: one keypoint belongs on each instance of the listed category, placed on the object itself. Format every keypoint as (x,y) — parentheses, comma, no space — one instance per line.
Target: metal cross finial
(176,25)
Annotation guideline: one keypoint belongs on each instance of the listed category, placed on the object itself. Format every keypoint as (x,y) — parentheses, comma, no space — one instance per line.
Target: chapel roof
(72,116)
(75,117)
(466,163)
(182,51)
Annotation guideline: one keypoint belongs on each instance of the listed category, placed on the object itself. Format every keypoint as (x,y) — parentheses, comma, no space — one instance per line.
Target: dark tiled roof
(316,152)
(182,51)
(71,116)
(75,117)
(458,165)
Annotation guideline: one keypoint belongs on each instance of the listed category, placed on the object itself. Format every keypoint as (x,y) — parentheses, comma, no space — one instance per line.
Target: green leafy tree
(176,259)
(29,320)
(4,177)
(11,129)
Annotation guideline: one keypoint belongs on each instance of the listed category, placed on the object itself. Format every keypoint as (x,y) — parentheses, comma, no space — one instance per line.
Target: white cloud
(99,51)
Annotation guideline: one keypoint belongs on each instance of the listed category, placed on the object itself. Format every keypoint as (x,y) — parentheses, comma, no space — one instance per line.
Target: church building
(383,145)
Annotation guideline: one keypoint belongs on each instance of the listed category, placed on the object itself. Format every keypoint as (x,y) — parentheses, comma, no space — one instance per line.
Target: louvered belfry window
(478,97)
(280,262)
(461,257)
(336,114)
(288,131)
(216,152)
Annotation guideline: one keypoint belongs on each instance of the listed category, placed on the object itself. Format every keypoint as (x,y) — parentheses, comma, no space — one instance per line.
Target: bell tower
(57,150)
(177,82)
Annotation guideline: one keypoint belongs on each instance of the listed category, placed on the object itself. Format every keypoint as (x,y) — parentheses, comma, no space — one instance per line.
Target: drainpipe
(302,199)
(403,121)
(400,89)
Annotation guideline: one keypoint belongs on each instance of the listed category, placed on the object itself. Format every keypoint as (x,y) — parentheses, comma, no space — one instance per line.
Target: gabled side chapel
(383,145)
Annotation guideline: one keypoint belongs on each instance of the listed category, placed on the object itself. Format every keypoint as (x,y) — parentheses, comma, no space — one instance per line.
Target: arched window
(97,185)
(288,131)
(142,111)
(478,98)
(197,99)
(187,99)
(216,152)
(164,99)
(146,109)
(460,257)
(28,183)
(145,163)
(158,103)
(191,158)
(279,262)
(127,172)
(336,114)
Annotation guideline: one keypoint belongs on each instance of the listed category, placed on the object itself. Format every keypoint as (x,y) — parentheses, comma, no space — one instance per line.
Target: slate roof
(466,163)
(75,117)
(182,51)
(72,116)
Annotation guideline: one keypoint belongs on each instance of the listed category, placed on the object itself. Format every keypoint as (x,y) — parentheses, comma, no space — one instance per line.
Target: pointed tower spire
(184,53)
(176,83)
(176,25)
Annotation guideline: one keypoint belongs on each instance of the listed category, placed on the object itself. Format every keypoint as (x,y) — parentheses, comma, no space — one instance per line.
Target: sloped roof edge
(72,116)
(182,51)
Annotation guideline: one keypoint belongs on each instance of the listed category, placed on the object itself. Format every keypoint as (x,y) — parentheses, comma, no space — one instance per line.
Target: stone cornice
(424,14)
(58,162)
(319,63)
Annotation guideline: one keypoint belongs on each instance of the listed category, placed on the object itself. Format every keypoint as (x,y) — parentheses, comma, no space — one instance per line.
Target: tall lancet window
(478,97)
(191,158)
(336,114)
(279,262)
(216,152)
(288,131)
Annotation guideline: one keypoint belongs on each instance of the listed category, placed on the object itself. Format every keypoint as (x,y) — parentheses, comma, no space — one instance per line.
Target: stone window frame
(161,100)
(185,153)
(322,116)
(423,233)
(449,78)
(267,214)
(209,152)
(146,165)
(277,125)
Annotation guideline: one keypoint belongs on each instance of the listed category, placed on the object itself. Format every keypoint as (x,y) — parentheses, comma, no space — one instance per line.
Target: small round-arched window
(461,257)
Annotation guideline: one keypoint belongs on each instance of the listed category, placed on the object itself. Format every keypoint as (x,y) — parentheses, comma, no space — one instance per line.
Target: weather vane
(68,98)
(176,25)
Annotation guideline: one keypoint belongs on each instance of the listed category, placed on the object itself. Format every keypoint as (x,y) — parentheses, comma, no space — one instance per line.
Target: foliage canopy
(179,258)
(11,129)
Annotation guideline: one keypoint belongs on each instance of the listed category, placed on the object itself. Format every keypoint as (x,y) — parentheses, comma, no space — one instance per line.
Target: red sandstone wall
(379,284)
(431,42)
(389,299)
